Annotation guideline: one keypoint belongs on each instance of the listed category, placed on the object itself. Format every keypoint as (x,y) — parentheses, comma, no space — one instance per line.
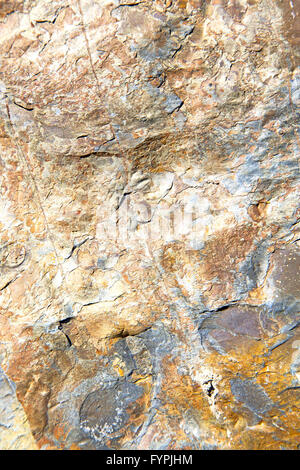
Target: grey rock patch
(252,395)
(104,411)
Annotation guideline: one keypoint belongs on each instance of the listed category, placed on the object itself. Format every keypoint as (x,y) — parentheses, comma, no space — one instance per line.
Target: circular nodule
(12,255)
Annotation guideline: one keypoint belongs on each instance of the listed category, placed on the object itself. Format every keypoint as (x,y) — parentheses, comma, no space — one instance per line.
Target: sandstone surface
(149,224)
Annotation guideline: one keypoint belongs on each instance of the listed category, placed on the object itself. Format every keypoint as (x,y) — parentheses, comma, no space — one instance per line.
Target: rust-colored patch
(257,211)
(175,256)
(227,249)
(9,6)
(221,257)
(291,20)
(182,3)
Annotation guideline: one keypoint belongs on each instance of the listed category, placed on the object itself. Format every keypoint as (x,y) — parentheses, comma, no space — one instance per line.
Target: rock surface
(149,224)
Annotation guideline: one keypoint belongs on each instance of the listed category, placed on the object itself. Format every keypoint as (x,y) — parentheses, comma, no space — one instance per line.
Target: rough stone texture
(123,111)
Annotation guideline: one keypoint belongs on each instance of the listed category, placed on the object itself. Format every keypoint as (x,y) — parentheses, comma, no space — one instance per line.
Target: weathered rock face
(149,230)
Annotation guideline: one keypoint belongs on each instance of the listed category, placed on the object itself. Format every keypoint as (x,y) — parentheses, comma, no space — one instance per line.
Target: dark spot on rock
(252,395)
(231,328)
(210,388)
